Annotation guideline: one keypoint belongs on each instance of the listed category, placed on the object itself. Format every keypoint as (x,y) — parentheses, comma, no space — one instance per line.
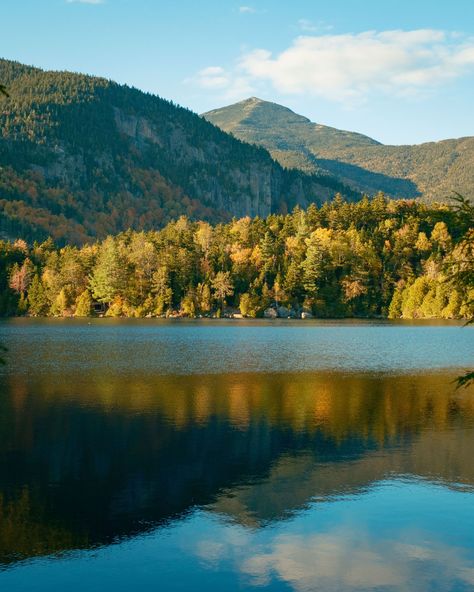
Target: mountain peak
(252,117)
(361,162)
(253,100)
(255,112)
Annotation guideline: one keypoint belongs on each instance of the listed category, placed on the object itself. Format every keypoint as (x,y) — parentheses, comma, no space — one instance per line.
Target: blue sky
(399,71)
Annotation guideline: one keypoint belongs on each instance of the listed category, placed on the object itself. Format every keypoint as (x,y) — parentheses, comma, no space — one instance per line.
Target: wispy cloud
(350,67)
(308,26)
(230,86)
(247,10)
(213,77)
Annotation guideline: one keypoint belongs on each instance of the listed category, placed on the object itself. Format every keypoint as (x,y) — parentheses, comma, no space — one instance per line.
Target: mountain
(82,157)
(431,171)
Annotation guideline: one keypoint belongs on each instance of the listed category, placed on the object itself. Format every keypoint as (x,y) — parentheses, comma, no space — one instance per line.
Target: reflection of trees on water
(26,531)
(110,457)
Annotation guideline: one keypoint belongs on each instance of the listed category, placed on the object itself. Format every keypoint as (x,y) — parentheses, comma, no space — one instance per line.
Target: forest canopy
(374,258)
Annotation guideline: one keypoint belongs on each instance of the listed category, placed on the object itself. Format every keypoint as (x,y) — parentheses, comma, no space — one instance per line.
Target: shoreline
(238,321)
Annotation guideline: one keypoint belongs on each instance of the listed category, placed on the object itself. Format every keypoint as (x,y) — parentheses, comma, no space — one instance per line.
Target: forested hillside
(431,171)
(366,259)
(82,157)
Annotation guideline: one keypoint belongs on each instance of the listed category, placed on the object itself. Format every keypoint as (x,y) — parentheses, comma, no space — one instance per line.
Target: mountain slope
(82,156)
(269,119)
(432,170)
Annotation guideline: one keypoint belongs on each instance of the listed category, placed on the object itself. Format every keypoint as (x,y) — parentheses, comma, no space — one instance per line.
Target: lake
(232,455)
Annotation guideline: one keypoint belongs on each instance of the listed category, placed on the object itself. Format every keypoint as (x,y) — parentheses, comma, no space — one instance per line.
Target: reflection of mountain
(110,457)
(294,481)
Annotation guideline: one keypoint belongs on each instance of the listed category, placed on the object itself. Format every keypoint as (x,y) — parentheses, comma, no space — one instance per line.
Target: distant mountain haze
(431,171)
(82,157)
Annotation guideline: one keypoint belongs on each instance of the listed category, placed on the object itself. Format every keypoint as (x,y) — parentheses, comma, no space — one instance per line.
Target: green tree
(108,276)
(293,281)
(162,290)
(313,266)
(188,303)
(61,303)
(38,302)
(395,308)
(249,305)
(462,267)
(84,304)
(267,249)
(204,297)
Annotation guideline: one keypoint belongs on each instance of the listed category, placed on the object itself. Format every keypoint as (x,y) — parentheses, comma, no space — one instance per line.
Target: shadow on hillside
(368,180)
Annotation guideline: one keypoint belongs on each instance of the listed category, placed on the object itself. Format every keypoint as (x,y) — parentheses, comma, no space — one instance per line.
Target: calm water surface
(224,456)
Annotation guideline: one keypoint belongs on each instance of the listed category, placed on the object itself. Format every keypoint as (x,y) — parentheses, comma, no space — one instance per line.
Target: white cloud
(338,559)
(251,10)
(213,77)
(231,85)
(350,67)
(324,562)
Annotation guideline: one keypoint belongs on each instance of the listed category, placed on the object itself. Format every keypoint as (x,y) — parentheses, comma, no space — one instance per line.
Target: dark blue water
(236,456)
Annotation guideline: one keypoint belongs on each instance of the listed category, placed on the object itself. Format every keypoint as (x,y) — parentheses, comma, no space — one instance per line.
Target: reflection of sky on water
(362,542)
(141,472)
(390,537)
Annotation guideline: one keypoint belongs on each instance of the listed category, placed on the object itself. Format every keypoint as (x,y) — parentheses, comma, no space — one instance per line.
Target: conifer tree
(108,277)
(84,304)
(38,302)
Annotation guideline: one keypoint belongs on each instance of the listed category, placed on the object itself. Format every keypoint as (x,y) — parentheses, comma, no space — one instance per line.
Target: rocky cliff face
(79,150)
(255,187)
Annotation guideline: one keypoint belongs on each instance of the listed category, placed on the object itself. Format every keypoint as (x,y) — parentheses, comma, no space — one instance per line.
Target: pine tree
(61,303)
(395,308)
(204,297)
(84,304)
(312,267)
(293,281)
(188,303)
(267,249)
(38,302)
(108,277)
(161,288)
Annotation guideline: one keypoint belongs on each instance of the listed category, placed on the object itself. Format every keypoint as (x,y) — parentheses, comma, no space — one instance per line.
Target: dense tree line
(367,259)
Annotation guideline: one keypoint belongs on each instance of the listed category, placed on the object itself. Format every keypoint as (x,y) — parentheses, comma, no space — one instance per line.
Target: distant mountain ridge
(271,117)
(82,157)
(431,171)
